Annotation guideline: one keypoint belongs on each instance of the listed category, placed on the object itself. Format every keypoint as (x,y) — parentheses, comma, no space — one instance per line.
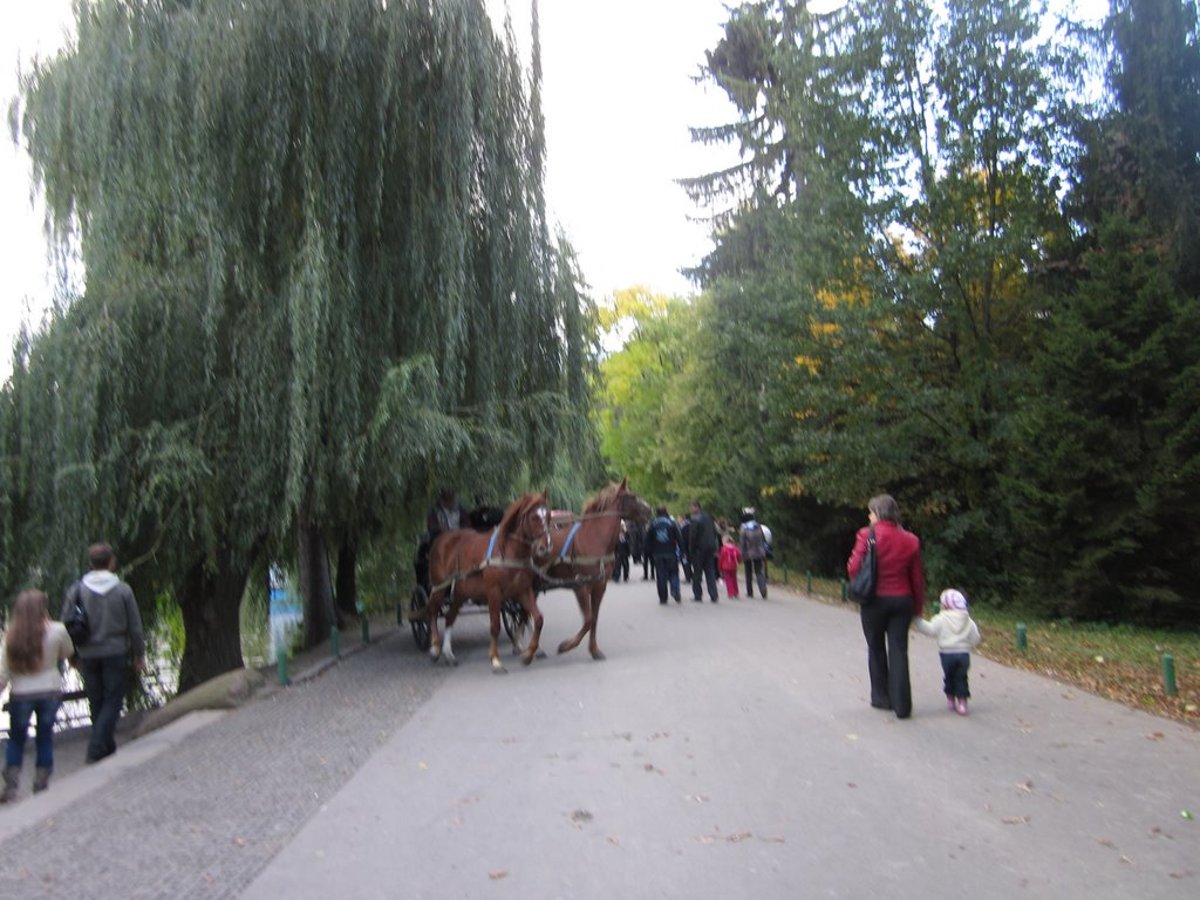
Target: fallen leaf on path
(422,765)
(615,841)
(699,798)
(1026,786)
(497,874)
(1156,736)
(852,737)
(739,837)
(239,842)
(1016,820)
(1106,842)
(774,839)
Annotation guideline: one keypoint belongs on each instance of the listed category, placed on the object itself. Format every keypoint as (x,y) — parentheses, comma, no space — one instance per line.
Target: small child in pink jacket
(729,562)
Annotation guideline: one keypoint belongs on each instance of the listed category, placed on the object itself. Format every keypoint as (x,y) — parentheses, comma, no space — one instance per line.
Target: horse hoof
(526,659)
(541,654)
(499,670)
(565,646)
(451,660)
(598,656)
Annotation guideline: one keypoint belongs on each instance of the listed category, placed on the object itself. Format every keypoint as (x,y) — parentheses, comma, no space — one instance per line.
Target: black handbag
(76,621)
(862,587)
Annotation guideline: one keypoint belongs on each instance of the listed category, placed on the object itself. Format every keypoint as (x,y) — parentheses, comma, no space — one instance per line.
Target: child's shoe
(950,704)
(960,705)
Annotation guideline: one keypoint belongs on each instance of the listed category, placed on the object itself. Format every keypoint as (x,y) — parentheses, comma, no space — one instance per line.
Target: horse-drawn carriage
(529,552)
(482,519)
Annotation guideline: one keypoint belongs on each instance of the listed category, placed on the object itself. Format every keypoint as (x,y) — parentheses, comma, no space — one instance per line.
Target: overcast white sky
(618,97)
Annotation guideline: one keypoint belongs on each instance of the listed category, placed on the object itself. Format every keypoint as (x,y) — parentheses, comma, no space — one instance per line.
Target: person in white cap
(957,635)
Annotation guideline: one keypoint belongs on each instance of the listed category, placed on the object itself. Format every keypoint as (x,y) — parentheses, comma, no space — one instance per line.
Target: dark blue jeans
(105,680)
(954,668)
(704,567)
(885,624)
(20,711)
(666,574)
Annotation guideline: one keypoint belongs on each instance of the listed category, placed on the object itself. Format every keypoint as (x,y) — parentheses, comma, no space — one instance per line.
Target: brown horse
(486,567)
(583,553)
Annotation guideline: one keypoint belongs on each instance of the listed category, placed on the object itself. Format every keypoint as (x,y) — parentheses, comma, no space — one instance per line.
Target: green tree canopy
(319,280)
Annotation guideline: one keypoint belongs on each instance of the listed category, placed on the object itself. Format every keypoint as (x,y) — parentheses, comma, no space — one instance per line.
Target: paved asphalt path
(723,750)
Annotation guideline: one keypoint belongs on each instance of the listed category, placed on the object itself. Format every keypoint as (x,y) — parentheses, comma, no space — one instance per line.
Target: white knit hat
(953,599)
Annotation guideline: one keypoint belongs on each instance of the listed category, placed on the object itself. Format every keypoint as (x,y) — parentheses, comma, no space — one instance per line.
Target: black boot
(12,775)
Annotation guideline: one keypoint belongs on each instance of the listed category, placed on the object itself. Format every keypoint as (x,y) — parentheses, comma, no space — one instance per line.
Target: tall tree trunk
(211,599)
(346,590)
(313,561)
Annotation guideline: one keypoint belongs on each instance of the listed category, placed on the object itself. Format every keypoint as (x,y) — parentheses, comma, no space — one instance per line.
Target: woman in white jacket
(33,651)
(957,635)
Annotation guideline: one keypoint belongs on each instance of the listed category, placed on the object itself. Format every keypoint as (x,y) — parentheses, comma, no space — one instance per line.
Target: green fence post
(363,621)
(1022,637)
(845,589)
(281,655)
(808,581)
(335,643)
(1169,675)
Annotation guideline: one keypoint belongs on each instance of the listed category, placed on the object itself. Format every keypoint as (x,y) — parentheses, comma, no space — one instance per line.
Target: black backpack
(76,619)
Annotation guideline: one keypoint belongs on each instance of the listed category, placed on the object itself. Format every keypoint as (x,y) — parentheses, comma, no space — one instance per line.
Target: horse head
(528,520)
(627,504)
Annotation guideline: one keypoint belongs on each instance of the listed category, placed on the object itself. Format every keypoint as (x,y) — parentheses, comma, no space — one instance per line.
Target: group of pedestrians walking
(699,547)
(108,643)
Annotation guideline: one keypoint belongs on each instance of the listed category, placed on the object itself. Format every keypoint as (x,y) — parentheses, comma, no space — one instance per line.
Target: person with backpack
(31,658)
(663,544)
(753,544)
(115,636)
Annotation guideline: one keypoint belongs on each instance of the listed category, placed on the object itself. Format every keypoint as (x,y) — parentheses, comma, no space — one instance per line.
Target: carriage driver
(447,514)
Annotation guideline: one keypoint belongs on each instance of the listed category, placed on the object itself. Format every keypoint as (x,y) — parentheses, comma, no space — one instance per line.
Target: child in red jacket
(729,562)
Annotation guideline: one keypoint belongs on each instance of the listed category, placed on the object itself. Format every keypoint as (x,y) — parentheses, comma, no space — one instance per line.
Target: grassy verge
(1122,663)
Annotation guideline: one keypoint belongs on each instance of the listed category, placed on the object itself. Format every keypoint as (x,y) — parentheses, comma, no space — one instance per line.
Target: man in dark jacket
(663,545)
(702,551)
(115,638)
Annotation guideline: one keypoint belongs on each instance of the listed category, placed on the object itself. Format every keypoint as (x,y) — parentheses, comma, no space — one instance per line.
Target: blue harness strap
(567,542)
(492,544)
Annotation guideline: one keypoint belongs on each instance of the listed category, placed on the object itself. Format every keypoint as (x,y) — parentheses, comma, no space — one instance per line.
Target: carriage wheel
(418,617)
(512,614)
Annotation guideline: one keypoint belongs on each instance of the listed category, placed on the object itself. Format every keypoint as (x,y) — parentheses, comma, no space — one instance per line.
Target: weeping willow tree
(319,278)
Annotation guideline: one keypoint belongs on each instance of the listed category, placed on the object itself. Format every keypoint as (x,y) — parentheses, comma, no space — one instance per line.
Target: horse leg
(597,595)
(583,598)
(456,603)
(494,599)
(529,604)
(435,637)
